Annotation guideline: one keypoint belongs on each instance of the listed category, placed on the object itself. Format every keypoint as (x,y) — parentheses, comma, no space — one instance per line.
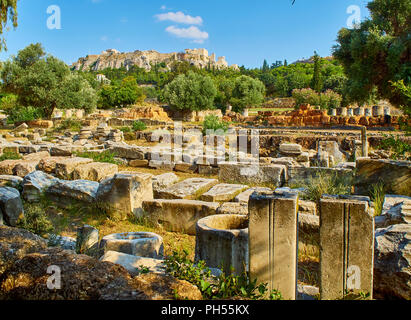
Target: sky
(244,31)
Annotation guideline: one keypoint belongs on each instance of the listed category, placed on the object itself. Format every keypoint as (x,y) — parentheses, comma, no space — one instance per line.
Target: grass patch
(10,156)
(377,195)
(105,156)
(332,184)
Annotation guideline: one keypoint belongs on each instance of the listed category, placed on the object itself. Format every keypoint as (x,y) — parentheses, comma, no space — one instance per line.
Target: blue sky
(245,32)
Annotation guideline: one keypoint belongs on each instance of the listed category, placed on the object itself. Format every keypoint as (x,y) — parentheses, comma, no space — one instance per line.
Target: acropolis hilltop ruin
(112,58)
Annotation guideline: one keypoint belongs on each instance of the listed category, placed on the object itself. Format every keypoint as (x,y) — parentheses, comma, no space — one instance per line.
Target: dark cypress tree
(317,81)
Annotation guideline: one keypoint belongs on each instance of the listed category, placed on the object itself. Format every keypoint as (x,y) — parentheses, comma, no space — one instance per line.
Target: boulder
(395,175)
(392,265)
(66,192)
(35,183)
(11,206)
(125,192)
(94,171)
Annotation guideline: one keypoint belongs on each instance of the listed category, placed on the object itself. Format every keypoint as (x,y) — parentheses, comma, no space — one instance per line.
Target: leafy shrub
(70,124)
(23,114)
(105,156)
(396,145)
(36,221)
(212,122)
(139,126)
(221,287)
(8,102)
(10,156)
(326,100)
(125,129)
(303,96)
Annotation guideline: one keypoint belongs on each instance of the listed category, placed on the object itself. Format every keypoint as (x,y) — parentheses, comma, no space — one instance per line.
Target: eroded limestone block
(395,175)
(126,191)
(187,189)
(66,192)
(24,167)
(10,181)
(48,164)
(94,171)
(178,215)
(65,168)
(35,183)
(392,267)
(223,192)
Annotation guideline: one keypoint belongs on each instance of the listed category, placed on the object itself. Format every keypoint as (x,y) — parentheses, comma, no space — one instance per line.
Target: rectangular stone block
(64,168)
(125,192)
(231,172)
(223,192)
(346,247)
(273,241)
(178,215)
(187,189)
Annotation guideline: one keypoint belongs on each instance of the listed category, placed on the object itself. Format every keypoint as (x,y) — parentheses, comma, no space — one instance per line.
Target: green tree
(121,94)
(8,11)
(42,81)
(247,92)
(377,53)
(191,92)
(317,80)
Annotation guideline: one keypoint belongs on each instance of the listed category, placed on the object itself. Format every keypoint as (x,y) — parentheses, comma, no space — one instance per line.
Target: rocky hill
(112,58)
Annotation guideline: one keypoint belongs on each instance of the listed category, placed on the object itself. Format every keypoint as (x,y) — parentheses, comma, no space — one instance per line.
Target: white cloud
(179,17)
(192,32)
(104,38)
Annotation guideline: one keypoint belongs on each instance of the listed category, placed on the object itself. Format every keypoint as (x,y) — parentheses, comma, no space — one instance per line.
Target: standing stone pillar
(343,112)
(346,247)
(333,112)
(364,141)
(377,111)
(350,112)
(273,241)
(360,111)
